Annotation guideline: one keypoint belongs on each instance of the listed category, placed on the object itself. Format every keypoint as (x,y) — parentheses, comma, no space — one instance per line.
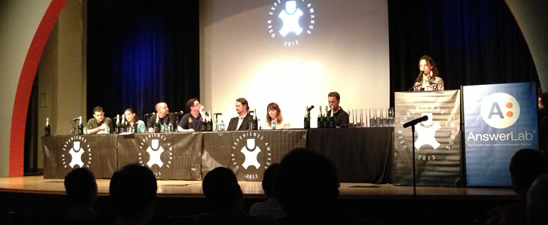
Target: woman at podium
(428,79)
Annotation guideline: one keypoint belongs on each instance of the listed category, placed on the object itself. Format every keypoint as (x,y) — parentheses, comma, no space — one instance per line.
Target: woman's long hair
(135,118)
(279,117)
(430,62)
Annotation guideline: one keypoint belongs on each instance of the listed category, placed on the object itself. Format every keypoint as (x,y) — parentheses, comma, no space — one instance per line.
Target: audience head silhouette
(81,187)
(306,183)
(268,180)
(526,165)
(133,192)
(222,190)
(537,201)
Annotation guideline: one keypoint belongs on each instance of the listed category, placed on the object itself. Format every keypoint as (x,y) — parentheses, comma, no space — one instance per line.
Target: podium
(438,149)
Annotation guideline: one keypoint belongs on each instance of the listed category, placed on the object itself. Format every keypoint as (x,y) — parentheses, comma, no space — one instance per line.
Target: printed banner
(437,140)
(499,120)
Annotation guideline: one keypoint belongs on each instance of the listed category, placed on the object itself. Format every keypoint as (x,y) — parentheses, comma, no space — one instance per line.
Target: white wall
(62,72)
(19,20)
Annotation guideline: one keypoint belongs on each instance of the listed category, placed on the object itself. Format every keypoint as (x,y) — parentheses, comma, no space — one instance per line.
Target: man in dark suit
(241,122)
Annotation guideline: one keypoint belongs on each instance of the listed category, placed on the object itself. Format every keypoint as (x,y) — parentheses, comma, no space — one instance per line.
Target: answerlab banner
(499,120)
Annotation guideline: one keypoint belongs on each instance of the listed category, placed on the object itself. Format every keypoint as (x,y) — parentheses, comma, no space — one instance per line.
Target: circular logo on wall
(251,155)
(427,144)
(155,152)
(290,20)
(500,110)
(76,151)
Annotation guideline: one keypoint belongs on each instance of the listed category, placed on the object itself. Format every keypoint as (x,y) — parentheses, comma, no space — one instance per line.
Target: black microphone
(179,113)
(218,114)
(415,121)
(75,118)
(416,80)
(310,108)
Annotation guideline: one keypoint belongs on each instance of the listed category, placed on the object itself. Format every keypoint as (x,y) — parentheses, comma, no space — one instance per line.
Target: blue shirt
(189,121)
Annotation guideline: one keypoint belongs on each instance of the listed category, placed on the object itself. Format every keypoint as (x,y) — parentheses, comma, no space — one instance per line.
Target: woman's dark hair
(430,62)
(279,117)
(135,118)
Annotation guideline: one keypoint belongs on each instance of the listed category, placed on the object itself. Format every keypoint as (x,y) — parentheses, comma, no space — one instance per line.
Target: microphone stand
(414,165)
(412,124)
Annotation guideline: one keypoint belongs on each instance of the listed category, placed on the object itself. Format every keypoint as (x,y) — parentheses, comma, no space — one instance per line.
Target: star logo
(427,142)
(79,151)
(251,155)
(288,20)
(156,152)
(250,152)
(427,133)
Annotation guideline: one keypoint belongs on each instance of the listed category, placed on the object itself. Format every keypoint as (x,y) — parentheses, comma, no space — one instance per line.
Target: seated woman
(274,118)
(134,121)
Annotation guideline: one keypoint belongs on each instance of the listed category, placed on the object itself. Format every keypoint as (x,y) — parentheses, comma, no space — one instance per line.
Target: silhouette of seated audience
(271,207)
(224,194)
(537,201)
(307,187)
(81,189)
(133,193)
(525,166)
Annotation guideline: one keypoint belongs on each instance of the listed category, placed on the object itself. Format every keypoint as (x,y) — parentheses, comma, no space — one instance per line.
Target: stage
(378,202)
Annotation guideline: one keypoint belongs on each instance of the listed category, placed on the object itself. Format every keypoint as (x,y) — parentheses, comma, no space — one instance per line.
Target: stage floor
(193,189)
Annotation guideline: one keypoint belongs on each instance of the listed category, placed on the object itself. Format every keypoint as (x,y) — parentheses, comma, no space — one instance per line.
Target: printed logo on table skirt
(250,154)
(79,151)
(155,152)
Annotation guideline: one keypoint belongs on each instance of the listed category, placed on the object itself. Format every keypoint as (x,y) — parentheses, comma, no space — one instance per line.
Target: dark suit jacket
(171,117)
(232,125)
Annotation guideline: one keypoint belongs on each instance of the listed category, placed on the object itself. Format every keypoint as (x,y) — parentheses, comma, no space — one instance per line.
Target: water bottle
(222,126)
(107,130)
(132,128)
(273,125)
(170,127)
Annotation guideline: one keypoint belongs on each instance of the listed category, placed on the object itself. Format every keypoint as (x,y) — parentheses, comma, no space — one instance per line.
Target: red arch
(24,87)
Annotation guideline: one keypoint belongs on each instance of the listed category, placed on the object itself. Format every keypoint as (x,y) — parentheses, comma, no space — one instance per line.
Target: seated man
(193,119)
(241,122)
(163,117)
(341,117)
(99,123)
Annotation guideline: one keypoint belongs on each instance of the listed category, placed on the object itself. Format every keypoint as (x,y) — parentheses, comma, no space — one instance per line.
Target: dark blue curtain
(140,53)
(472,42)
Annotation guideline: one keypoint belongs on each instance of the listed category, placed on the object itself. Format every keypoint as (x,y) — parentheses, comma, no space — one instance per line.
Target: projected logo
(250,153)
(289,20)
(76,147)
(155,150)
(500,110)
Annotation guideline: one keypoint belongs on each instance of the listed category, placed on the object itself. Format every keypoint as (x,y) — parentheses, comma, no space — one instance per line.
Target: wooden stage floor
(193,189)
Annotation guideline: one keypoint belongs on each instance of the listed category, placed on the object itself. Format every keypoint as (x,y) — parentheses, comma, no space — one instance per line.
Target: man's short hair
(133,190)
(97,109)
(80,186)
(243,101)
(190,102)
(334,94)
(221,188)
(304,188)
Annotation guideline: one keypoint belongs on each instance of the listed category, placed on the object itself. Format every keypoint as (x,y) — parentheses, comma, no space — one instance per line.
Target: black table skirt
(360,154)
